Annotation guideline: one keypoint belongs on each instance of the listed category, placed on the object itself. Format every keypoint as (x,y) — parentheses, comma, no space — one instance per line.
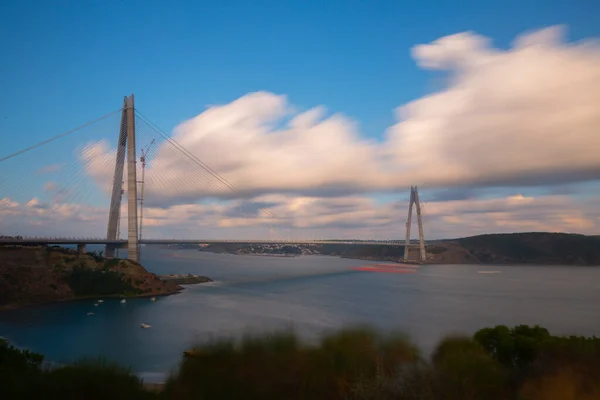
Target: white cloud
(310,217)
(528,114)
(508,117)
(39,218)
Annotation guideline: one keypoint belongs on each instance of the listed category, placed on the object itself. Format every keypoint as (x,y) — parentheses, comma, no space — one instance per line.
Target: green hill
(534,248)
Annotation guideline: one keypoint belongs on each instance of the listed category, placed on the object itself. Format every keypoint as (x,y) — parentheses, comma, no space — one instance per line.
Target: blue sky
(65,63)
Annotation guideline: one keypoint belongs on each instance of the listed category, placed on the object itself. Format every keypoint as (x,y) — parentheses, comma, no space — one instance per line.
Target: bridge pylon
(414,199)
(126,145)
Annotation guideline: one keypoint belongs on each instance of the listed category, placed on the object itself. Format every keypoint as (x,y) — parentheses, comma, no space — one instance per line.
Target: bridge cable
(59,136)
(187,152)
(72,176)
(182,180)
(204,166)
(186,180)
(191,159)
(211,182)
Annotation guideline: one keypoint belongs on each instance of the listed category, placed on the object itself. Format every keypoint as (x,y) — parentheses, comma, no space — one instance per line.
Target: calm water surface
(313,295)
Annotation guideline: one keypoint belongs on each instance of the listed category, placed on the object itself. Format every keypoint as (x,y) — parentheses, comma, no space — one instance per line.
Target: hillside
(534,248)
(34,275)
(512,248)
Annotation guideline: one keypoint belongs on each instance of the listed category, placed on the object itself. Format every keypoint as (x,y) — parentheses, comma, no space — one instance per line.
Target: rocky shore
(184,279)
(37,275)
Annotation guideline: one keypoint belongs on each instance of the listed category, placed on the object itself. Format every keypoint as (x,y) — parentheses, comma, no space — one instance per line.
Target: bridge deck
(58,241)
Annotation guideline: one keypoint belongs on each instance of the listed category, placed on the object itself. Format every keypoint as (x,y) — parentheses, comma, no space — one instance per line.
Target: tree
(516,347)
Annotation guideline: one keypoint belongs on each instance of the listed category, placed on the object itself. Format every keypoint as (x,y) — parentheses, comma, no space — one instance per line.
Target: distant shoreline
(267,255)
(532,248)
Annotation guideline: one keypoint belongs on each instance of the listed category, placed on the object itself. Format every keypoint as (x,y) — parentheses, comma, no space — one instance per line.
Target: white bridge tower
(414,199)
(126,142)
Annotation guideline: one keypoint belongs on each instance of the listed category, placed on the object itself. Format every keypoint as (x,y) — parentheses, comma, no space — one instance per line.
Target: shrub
(565,368)
(564,383)
(278,366)
(59,267)
(463,371)
(108,264)
(20,372)
(97,256)
(93,379)
(88,282)
(516,347)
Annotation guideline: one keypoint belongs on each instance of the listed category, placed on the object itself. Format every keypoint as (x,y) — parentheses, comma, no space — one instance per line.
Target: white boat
(100,301)
(123,301)
(153,299)
(145,326)
(95,304)
(90,313)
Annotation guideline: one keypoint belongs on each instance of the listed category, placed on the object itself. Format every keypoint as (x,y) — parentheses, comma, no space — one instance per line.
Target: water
(311,294)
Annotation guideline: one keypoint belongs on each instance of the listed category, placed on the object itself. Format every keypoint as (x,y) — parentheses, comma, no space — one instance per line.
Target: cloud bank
(522,116)
(312,218)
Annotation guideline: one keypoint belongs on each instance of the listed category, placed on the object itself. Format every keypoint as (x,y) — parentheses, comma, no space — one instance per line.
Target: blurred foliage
(516,347)
(96,255)
(20,372)
(464,370)
(520,363)
(93,379)
(280,366)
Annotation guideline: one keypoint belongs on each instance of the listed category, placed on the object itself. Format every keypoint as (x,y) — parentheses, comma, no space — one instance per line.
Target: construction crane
(119,218)
(144,153)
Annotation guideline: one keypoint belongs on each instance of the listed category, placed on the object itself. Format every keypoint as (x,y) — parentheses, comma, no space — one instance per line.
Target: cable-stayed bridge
(47,183)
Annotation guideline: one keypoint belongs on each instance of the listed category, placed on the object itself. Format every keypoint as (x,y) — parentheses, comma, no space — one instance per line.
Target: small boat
(95,304)
(90,313)
(145,326)
(123,301)
(489,272)
(153,299)
(100,301)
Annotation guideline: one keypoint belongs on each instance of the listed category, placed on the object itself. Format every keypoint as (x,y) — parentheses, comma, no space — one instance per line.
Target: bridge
(118,187)
(82,242)
(32,241)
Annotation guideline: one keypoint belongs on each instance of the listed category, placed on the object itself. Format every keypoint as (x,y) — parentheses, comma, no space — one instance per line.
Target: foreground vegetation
(496,363)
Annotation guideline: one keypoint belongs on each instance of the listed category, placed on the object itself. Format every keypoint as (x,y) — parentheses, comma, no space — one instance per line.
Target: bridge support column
(117,190)
(408,222)
(414,199)
(81,248)
(133,251)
